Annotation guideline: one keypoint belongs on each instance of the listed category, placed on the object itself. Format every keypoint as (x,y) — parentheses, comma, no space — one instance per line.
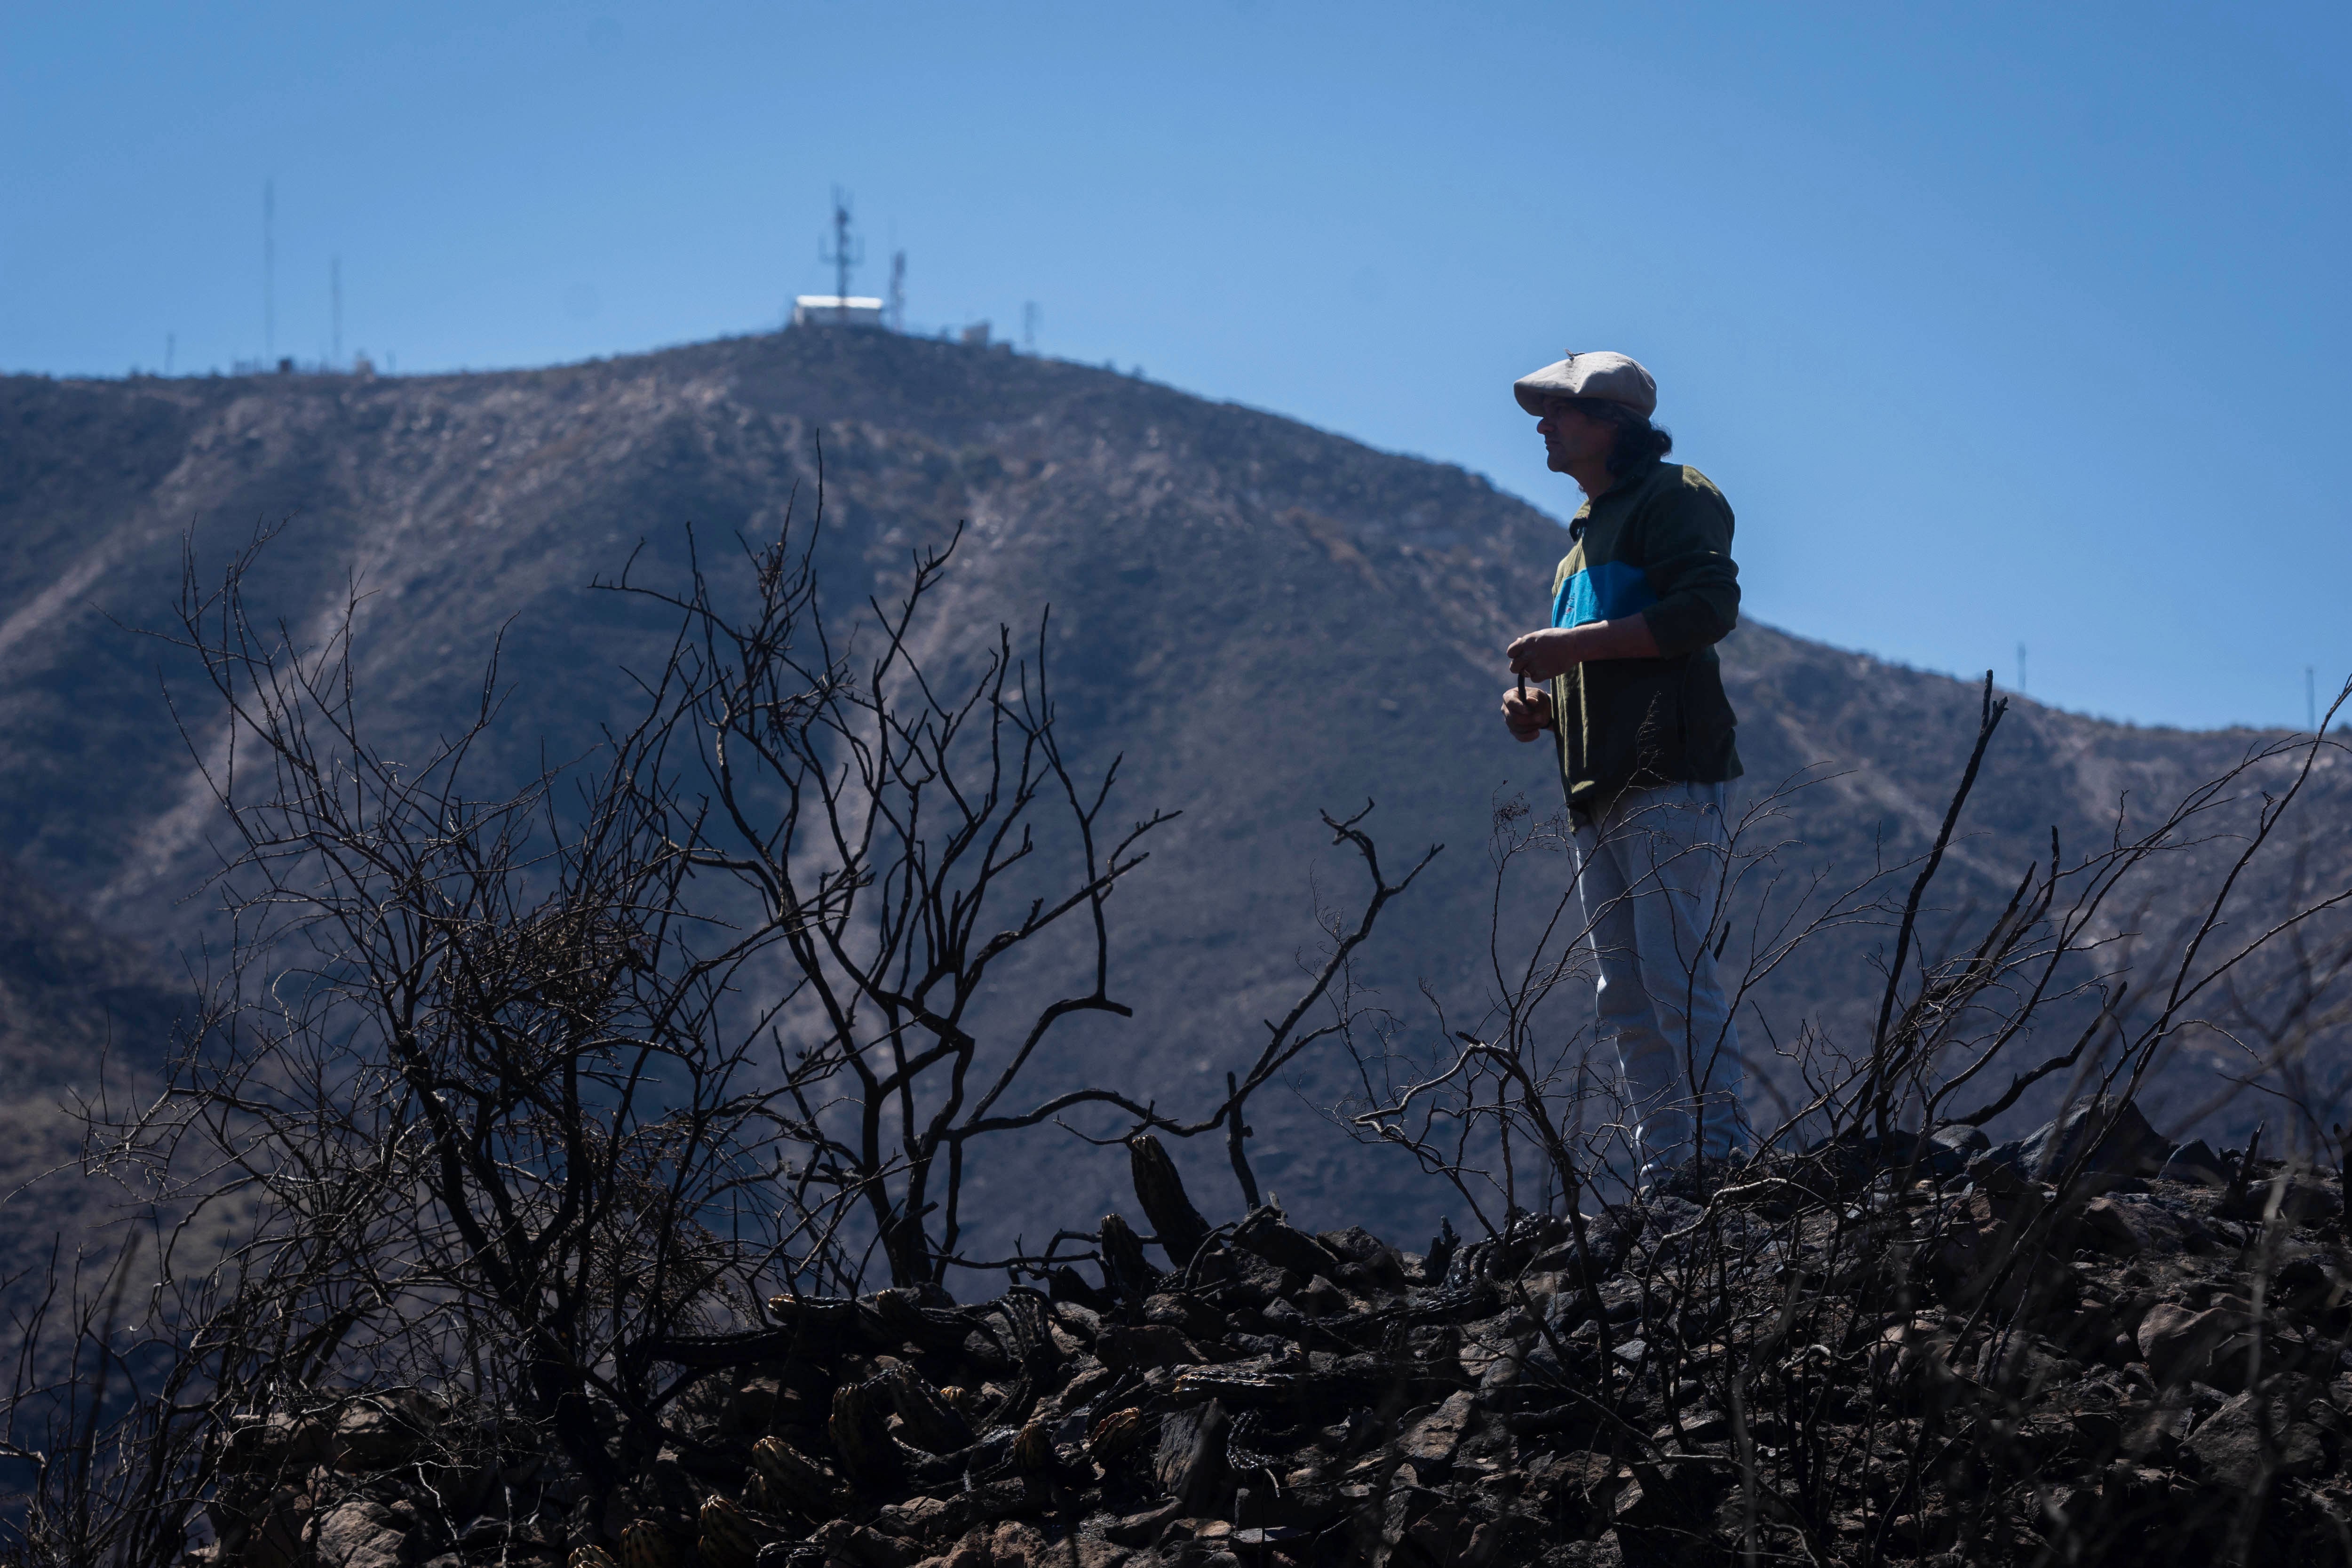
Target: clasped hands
(1555,651)
(1539,656)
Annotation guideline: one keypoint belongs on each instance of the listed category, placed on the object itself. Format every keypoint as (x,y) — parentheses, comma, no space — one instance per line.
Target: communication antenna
(170,341)
(335,290)
(269,269)
(897,291)
(2021,669)
(846,254)
(1030,316)
(2310,698)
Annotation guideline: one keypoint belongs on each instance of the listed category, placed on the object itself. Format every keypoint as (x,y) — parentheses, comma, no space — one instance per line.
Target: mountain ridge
(1264,617)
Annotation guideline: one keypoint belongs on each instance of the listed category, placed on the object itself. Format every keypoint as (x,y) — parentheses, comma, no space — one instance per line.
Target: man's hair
(1638,441)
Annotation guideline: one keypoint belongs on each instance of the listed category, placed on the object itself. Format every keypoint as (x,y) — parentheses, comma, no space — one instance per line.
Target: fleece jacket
(1655,543)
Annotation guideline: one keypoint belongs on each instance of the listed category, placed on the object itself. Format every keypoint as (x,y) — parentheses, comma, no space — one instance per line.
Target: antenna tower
(846,254)
(898,291)
(269,269)
(1030,316)
(335,289)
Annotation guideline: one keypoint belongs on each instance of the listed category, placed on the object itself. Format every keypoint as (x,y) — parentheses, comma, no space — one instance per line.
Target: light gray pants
(1647,872)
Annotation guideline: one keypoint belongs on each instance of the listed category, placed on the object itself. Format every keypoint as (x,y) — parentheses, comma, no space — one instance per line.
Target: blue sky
(1998,323)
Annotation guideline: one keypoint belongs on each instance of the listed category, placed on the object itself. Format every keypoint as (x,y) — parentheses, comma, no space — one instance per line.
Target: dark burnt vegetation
(581,1176)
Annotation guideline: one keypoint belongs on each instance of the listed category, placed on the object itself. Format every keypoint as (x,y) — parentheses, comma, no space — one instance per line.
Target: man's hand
(1527,712)
(1540,656)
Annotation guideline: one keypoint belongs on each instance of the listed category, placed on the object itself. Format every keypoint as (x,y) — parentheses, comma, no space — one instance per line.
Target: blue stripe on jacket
(1602,593)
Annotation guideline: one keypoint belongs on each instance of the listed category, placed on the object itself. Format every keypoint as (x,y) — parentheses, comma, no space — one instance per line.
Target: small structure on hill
(837,311)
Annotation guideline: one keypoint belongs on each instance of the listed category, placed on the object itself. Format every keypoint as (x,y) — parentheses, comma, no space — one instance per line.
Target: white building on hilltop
(837,310)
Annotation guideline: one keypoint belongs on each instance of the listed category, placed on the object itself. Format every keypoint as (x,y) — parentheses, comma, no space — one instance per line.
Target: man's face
(1570,440)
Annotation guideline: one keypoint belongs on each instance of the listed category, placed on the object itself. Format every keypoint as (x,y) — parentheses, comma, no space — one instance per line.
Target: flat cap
(1614,378)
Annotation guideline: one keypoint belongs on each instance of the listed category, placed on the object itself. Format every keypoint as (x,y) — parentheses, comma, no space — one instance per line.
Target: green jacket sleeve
(1688,540)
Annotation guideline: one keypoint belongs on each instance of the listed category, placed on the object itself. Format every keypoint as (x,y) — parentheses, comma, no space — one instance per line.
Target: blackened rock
(1066,1284)
(1962,1140)
(1083,1298)
(2303,1284)
(371,1433)
(1009,1497)
(1214,1264)
(1665,1518)
(1431,1442)
(2195,1161)
(358,1534)
(1576,1489)
(283,1443)
(1553,1366)
(752,1408)
(1249,1279)
(1454,1303)
(1526,1238)
(1612,1233)
(1283,1317)
(1259,1346)
(1273,1237)
(2300,1202)
(1322,1298)
(1141,1529)
(790,1554)
(1697,1180)
(2180,1344)
(1995,1174)
(1368,1252)
(985,1352)
(1190,1313)
(872,1548)
(2128,1226)
(1852,1158)
(1361,1281)
(1569,1307)
(2128,1144)
(2228,1445)
(1148,1346)
(1355,1244)
(1669,1216)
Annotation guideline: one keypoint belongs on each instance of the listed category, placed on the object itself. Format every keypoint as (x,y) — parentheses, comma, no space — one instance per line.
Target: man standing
(1634,699)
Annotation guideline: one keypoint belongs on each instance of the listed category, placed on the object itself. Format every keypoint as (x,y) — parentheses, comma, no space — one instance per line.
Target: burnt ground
(1829,1361)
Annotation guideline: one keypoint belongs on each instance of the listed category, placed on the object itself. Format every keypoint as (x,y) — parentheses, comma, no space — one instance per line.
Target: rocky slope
(1948,1363)
(1262,617)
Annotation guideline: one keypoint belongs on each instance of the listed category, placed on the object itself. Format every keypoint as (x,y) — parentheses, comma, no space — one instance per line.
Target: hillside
(1262,617)
(82,1014)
